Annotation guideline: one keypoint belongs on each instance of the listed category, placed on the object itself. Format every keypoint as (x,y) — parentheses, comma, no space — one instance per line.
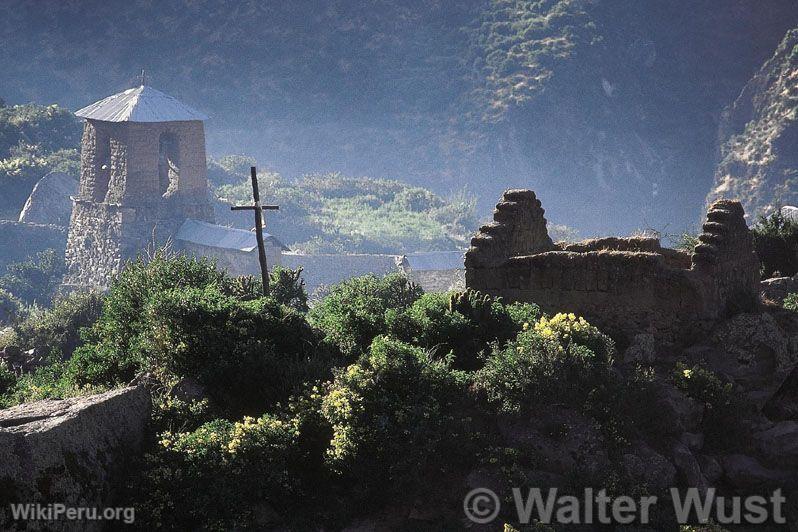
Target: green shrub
(7,379)
(115,345)
(36,279)
(534,368)
(176,317)
(223,475)
(285,286)
(464,323)
(50,381)
(723,406)
(9,307)
(218,476)
(353,312)
(247,354)
(395,419)
(288,288)
(557,360)
(58,329)
(776,243)
(791,302)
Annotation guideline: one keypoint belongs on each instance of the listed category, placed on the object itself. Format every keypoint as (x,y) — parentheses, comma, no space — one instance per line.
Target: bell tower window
(168,163)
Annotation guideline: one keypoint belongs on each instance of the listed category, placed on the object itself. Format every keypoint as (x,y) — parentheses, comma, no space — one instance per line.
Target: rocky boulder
(776,289)
(71,452)
(754,351)
(49,203)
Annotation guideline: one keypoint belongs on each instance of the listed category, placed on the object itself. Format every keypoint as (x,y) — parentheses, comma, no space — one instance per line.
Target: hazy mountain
(760,134)
(609,110)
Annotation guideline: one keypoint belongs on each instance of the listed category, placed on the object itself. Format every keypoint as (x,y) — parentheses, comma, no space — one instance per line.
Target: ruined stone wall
(120,211)
(626,286)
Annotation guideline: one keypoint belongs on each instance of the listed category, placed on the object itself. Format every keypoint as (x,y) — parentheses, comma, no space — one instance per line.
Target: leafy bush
(50,381)
(394,417)
(246,354)
(178,317)
(222,476)
(114,353)
(36,279)
(568,329)
(465,323)
(776,243)
(288,288)
(7,379)
(9,307)
(791,302)
(535,368)
(58,329)
(558,360)
(353,313)
(723,406)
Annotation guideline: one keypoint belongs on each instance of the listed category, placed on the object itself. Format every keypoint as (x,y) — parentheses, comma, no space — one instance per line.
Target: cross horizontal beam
(252,208)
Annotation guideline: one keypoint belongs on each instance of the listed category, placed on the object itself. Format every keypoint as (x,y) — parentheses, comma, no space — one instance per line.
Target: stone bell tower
(143,174)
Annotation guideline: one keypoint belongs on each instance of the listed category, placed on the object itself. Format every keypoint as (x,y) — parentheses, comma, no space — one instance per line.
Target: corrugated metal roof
(218,236)
(435,260)
(142,104)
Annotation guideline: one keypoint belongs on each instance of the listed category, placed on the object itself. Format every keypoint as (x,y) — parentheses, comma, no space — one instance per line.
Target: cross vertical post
(258,208)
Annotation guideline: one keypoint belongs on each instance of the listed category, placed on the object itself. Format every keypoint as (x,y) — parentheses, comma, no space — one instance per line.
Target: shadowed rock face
(69,451)
(626,286)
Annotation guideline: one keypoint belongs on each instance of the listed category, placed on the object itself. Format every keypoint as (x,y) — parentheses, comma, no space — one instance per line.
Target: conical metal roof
(142,104)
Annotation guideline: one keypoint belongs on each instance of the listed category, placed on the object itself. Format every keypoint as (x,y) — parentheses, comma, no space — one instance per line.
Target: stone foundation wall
(626,286)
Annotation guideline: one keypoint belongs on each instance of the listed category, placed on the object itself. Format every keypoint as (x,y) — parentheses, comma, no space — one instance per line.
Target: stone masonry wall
(120,210)
(626,286)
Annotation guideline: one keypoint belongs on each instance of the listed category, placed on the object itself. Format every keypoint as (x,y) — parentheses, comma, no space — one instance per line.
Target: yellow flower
(687,373)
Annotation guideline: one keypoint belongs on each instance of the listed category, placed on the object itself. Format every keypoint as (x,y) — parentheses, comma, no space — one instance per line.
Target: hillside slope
(599,106)
(760,134)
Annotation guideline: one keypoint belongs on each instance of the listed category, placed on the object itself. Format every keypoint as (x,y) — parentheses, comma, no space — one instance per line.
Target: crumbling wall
(626,286)
(518,228)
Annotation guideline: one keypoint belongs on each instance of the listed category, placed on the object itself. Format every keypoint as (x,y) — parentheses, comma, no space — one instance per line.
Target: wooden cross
(258,208)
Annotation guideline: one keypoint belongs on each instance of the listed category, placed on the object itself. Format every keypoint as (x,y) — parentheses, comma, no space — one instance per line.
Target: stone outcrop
(626,286)
(70,452)
(50,201)
(776,289)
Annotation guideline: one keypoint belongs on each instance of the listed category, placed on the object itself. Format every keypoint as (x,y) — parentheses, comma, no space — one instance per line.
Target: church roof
(141,104)
(219,236)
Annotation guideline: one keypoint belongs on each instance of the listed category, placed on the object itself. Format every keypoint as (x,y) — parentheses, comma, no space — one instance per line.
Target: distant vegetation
(776,243)
(332,213)
(34,140)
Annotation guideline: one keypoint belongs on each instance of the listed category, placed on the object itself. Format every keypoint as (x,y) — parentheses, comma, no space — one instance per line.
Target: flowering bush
(568,329)
(393,415)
